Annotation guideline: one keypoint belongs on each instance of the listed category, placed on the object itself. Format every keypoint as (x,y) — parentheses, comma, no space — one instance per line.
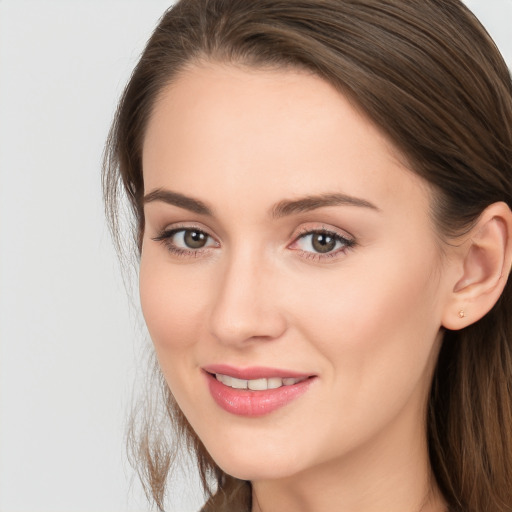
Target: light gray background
(69,340)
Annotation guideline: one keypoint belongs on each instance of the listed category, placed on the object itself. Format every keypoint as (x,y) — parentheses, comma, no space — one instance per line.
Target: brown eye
(186,240)
(323,242)
(194,239)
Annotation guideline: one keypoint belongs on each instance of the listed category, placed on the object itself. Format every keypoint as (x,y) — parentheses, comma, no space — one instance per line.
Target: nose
(245,306)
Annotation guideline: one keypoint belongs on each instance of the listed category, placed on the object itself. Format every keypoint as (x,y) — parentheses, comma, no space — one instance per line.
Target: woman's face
(284,239)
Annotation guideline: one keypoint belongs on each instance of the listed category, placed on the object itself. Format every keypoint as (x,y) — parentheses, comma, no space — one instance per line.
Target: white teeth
(257,384)
(274,383)
(225,379)
(238,383)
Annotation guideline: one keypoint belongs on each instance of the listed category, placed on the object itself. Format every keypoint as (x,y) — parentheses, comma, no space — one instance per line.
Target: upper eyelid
(341,233)
(184,225)
(176,228)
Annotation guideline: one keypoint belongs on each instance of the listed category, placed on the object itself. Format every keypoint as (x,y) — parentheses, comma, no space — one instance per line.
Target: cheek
(375,318)
(171,304)
(376,332)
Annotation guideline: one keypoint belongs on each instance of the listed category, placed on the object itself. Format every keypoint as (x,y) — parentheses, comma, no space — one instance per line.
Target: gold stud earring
(462,314)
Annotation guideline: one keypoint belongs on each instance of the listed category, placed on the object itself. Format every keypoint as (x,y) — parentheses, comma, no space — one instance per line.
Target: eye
(190,239)
(186,240)
(322,242)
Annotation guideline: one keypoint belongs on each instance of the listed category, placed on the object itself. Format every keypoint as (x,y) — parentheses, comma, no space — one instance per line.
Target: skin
(364,319)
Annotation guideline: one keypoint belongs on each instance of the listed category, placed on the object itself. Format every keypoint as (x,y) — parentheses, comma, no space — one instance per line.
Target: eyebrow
(179,200)
(308,203)
(281,209)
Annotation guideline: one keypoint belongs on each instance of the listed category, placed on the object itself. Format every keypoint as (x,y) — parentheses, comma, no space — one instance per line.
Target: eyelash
(347,243)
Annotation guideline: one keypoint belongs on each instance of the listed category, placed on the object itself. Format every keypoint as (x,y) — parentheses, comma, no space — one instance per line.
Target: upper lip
(254,372)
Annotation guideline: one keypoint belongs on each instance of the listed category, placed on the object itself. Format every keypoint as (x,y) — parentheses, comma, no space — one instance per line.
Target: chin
(255,472)
(256,464)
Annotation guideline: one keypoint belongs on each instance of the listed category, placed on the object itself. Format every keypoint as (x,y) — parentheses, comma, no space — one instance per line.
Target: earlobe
(484,261)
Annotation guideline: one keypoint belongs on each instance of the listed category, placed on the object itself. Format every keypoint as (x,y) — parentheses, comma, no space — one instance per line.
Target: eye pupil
(323,243)
(195,239)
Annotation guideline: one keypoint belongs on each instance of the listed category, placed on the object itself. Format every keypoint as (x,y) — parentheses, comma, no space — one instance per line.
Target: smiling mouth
(257,384)
(257,396)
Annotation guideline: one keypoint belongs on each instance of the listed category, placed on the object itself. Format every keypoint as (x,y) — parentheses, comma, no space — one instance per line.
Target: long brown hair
(428,74)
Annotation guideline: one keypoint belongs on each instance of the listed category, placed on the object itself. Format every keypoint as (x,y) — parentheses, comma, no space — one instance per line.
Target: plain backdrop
(70,341)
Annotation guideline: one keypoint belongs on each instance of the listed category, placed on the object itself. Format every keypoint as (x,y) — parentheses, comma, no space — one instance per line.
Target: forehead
(241,132)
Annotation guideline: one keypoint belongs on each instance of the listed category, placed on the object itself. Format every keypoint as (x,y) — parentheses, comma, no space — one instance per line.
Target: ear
(482,263)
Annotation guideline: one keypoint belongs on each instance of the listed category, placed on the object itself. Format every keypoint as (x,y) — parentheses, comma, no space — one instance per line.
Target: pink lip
(253,372)
(244,402)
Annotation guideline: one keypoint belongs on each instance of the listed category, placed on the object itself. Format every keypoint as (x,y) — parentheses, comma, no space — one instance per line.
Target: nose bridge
(244,306)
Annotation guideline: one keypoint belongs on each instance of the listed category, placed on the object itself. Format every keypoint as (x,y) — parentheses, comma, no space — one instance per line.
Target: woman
(321,195)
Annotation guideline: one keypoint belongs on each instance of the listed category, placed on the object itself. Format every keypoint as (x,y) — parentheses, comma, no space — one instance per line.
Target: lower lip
(244,402)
